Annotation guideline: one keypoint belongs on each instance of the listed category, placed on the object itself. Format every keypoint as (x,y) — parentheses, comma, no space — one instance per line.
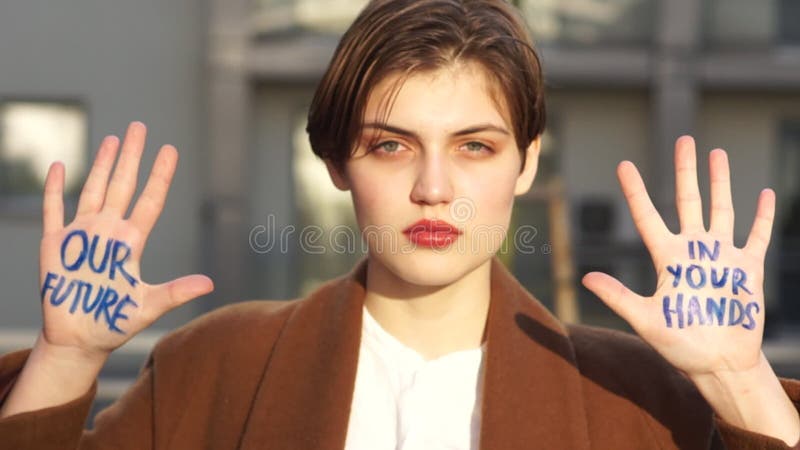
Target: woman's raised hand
(706,316)
(93,297)
(707,313)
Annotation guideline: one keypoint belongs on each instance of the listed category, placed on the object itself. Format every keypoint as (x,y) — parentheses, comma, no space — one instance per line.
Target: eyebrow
(466,131)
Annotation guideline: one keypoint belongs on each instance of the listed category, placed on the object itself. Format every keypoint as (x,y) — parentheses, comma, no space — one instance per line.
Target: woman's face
(446,152)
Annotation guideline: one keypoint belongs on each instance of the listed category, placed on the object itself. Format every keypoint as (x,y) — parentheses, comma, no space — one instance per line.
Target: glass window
(788,219)
(330,240)
(789,22)
(528,249)
(579,22)
(330,16)
(588,22)
(33,134)
(737,23)
(789,164)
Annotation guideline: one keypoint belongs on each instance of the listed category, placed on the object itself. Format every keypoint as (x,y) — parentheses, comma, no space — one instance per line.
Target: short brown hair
(406,36)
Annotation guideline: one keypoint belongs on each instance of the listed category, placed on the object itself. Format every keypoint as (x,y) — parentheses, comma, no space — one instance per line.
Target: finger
(645,216)
(687,193)
(617,296)
(167,296)
(150,204)
(53,204)
(123,182)
(721,201)
(94,190)
(760,233)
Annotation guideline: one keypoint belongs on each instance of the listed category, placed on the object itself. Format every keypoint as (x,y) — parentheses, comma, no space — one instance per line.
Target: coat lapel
(531,391)
(303,402)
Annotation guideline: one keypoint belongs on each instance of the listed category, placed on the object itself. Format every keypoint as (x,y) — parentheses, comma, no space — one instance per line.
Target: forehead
(448,96)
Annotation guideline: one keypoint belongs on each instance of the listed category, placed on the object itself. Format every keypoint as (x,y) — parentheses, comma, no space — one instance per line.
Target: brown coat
(280,375)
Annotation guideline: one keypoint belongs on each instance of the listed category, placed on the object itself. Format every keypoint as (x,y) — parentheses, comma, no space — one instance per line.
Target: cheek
(493,198)
(372,196)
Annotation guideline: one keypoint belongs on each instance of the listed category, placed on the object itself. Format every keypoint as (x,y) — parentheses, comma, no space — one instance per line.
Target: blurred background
(229,83)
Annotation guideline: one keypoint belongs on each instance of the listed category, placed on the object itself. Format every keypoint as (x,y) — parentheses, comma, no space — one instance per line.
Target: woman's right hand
(93,298)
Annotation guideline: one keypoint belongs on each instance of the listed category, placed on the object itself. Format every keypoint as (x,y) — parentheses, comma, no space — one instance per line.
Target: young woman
(429,342)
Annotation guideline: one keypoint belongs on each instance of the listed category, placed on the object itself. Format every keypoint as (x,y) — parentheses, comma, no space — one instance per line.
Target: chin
(424,267)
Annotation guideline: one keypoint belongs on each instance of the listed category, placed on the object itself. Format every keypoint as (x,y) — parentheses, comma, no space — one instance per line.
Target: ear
(525,178)
(339,178)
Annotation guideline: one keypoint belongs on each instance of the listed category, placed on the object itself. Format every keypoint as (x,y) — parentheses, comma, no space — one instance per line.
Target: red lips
(432,233)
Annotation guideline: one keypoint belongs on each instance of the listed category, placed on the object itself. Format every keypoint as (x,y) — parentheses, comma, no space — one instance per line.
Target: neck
(432,320)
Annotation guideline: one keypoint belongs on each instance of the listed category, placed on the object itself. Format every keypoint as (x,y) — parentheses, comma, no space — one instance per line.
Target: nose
(433,184)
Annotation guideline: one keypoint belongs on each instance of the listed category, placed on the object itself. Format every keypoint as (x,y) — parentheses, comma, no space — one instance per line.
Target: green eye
(475,147)
(389,146)
(386,147)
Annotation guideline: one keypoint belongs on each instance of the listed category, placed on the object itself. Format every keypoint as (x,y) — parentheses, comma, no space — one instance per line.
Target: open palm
(92,296)
(707,312)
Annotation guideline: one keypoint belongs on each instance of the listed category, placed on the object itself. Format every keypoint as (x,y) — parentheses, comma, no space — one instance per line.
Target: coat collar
(532,390)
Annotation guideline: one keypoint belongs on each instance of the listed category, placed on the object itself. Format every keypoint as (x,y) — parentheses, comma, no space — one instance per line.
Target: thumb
(626,303)
(167,296)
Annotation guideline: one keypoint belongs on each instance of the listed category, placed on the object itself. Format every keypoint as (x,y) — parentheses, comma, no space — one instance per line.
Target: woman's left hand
(706,316)
(707,313)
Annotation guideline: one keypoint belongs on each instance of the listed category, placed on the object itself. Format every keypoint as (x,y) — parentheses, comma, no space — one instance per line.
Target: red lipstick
(432,233)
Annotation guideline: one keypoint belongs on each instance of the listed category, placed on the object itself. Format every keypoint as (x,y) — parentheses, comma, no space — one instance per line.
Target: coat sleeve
(126,424)
(168,403)
(736,438)
(678,415)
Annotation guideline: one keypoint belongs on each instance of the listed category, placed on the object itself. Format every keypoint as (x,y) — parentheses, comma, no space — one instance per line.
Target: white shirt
(403,402)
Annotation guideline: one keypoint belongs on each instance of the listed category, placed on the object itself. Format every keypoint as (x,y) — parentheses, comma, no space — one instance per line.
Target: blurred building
(229,83)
